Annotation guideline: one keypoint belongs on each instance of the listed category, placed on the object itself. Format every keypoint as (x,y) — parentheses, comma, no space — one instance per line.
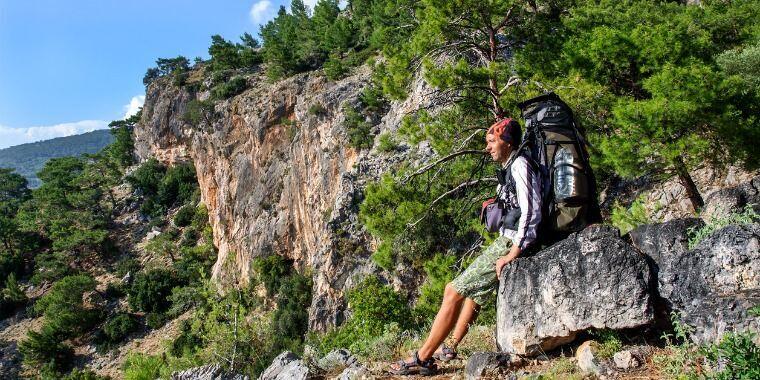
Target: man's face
(497,148)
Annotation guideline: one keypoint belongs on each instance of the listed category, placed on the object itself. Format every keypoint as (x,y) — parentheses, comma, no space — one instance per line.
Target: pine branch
(440,161)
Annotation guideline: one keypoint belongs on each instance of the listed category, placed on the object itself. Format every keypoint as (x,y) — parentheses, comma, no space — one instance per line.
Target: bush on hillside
(151,289)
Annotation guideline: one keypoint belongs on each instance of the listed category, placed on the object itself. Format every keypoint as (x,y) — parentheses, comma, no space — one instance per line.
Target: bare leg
(468,314)
(444,321)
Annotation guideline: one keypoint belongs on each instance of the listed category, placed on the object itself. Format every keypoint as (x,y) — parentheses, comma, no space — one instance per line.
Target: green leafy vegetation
(376,311)
(609,343)
(746,216)
(151,289)
(386,143)
(163,188)
(176,68)
(358,128)
(627,219)
(199,111)
(65,317)
(271,270)
(228,89)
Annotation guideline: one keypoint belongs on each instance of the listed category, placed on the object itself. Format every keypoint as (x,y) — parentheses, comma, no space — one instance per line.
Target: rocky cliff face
(278,175)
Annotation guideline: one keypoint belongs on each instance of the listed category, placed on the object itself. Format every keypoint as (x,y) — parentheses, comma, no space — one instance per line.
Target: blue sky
(68,67)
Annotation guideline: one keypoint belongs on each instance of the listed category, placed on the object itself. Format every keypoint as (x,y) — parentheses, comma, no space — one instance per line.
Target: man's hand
(514,251)
(500,263)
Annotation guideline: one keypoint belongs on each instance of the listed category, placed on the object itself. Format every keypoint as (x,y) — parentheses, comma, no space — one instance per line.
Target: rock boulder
(591,280)
(711,287)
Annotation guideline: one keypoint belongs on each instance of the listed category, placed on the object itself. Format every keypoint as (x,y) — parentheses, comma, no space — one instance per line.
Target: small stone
(587,361)
(626,360)
(354,372)
(486,364)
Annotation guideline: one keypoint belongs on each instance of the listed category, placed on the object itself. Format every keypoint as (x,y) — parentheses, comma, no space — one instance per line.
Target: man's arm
(512,254)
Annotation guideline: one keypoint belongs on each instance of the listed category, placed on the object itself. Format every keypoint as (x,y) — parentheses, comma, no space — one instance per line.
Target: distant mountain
(29,158)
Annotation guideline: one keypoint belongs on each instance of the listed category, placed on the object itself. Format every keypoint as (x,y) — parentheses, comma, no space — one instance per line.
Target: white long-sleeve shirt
(528,198)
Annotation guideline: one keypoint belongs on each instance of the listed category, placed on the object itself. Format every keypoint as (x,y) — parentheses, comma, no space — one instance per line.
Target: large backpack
(557,148)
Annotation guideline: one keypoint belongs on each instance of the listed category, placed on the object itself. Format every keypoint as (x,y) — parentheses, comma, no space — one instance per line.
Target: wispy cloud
(16,136)
(134,105)
(261,11)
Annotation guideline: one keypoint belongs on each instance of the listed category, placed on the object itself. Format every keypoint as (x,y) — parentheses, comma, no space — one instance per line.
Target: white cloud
(261,11)
(134,105)
(16,136)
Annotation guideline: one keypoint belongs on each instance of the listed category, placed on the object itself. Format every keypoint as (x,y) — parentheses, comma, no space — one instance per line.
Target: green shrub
(142,367)
(377,312)
(151,289)
(230,88)
(195,262)
(63,308)
(358,128)
(178,185)
(609,343)
(291,318)
(115,290)
(183,299)
(271,271)
(386,143)
(184,216)
(739,355)
(119,326)
(384,257)
(334,68)
(12,297)
(440,270)
(627,219)
(372,98)
(155,320)
(147,177)
(50,267)
(127,265)
(189,237)
(46,348)
(84,374)
(746,216)
(317,109)
(10,263)
(198,111)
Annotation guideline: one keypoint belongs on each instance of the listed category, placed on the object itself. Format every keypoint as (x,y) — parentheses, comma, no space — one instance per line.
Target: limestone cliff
(278,175)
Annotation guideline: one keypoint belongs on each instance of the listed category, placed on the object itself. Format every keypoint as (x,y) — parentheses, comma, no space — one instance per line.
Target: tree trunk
(492,80)
(688,183)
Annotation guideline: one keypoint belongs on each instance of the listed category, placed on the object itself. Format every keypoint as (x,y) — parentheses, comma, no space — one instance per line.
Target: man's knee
(450,294)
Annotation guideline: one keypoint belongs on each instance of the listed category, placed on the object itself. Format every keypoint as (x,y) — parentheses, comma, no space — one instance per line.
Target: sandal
(447,353)
(417,366)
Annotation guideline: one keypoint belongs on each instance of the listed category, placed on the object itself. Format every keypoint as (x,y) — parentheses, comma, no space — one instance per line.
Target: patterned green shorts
(479,281)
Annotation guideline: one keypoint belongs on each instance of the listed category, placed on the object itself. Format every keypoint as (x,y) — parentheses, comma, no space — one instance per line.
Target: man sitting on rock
(463,296)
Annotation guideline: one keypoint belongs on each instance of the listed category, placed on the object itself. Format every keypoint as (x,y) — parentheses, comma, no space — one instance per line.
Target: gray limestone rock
(586,358)
(354,372)
(712,287)
(337,358)
(286,365)
(733,199)
(206,372)
(591,280)
(626,359)
(486,365)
